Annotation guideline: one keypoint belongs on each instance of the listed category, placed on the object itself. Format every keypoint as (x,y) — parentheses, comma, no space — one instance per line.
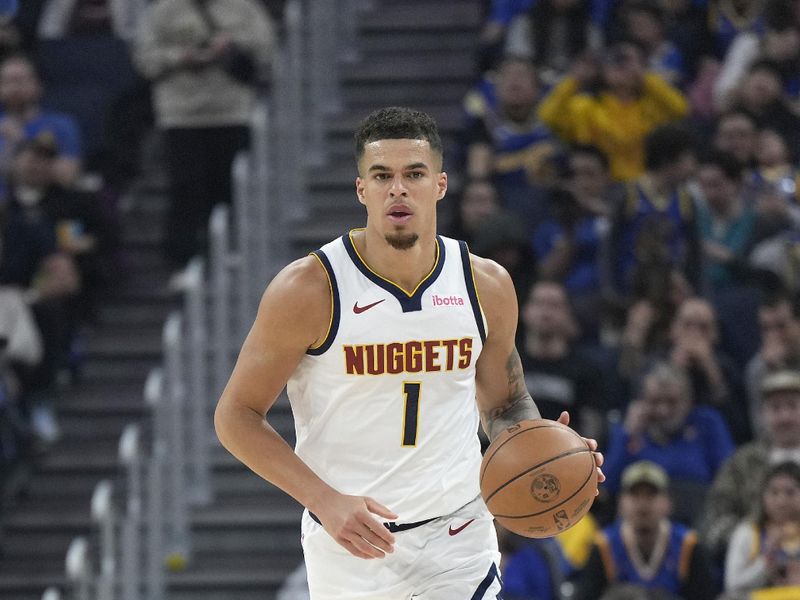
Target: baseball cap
(781,381)
(645,471)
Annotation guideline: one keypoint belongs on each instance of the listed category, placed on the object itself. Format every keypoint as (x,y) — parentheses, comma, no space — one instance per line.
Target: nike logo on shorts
(360,309)
(457,530)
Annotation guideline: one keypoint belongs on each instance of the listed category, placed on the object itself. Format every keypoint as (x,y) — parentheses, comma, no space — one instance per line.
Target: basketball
(538,478)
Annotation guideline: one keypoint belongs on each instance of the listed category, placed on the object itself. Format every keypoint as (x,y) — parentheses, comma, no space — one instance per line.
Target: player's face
(400,182)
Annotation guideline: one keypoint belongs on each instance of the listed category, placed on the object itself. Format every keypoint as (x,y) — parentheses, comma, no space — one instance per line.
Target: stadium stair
(413,52)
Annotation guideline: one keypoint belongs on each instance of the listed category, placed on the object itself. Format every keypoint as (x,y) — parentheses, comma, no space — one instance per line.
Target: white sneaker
(44,423)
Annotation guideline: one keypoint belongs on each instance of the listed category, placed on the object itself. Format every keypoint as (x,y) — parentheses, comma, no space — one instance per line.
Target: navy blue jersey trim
(336,310)
(472,292)
(487,581)
(407,303)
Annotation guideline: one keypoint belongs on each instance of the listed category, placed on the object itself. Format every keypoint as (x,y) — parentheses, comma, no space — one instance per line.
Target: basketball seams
(564,500)
(553,507)
(572,452)
(555,425)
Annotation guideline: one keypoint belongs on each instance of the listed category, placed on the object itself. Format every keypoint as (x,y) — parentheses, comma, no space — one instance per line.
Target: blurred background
(633,164)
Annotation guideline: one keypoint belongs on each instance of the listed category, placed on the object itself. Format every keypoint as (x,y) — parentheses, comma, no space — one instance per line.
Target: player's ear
(360,190)
(442,185)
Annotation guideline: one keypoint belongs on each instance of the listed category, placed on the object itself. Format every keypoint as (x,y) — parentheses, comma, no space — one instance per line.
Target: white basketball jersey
(385,406)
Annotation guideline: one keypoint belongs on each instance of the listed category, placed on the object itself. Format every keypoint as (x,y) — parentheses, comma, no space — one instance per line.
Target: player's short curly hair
(397,123)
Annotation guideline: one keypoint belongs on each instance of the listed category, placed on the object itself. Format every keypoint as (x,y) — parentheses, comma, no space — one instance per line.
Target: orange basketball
(538,478)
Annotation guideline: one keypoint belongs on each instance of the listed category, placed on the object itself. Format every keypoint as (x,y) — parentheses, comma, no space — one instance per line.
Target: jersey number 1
(411,412)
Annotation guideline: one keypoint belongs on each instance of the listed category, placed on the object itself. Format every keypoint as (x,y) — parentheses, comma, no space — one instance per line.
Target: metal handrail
(130,457)
(78,567)
(221,264)
(102,511)
(155,585)
(195,339)
(178,543)
(51,593)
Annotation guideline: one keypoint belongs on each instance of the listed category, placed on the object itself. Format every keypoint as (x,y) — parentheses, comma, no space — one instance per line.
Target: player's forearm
(248,436)
(518,406)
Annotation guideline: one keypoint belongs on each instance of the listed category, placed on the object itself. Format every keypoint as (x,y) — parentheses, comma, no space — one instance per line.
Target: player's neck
(407,268)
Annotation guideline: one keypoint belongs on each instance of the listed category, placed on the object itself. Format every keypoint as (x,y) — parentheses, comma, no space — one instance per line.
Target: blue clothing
(25,240)
(588,236)
(670,574)
(694,454)
(725,27)
(527,574)
(523,151)
(647,222)
(61,126)
(503,11)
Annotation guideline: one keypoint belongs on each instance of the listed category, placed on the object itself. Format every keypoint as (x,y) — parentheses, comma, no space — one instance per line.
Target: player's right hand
(349,520)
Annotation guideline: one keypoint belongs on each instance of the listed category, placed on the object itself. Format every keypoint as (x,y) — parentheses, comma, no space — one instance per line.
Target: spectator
(779,322)
(568,245)
(779,44)
(553,33)
(774,163)
(23,118)
(729,18)
(715,381)
(202,58)
(687,27)
(629,103)
(66,18)
(503,238)
(531,569)
(737,486)
(761,94)
(727,221)
(644,547)
(492,41)
(20,349)
(645,22)
(506,142)
(479,202)
(654,226)
(662,424)
(82,229)
(763,550)
(736,133)
(557,374)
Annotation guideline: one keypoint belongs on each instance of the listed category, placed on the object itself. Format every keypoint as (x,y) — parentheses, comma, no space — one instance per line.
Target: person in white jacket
(765,551)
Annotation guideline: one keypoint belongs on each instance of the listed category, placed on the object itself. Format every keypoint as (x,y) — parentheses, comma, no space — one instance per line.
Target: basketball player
(384,338)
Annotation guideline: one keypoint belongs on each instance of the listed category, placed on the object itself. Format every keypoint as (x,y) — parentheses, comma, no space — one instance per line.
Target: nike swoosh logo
(360,309)
(452,531)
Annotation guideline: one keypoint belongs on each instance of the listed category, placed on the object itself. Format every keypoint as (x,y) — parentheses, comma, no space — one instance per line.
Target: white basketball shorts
(454,557)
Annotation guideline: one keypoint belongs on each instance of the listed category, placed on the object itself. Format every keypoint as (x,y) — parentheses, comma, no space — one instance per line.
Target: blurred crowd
(632,163)
(634,166)
(84,85)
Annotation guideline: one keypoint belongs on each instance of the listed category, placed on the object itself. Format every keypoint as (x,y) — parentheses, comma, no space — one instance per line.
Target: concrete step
(140,343)
(374,41)
(404,93)
(119,313)
(439,17)
(419,66)
(117,370)
(30,587)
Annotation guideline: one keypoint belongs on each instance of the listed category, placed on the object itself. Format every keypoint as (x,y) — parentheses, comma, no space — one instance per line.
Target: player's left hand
(592,443)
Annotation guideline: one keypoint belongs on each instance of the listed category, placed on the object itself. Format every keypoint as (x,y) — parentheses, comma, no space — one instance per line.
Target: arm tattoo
(519,405)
